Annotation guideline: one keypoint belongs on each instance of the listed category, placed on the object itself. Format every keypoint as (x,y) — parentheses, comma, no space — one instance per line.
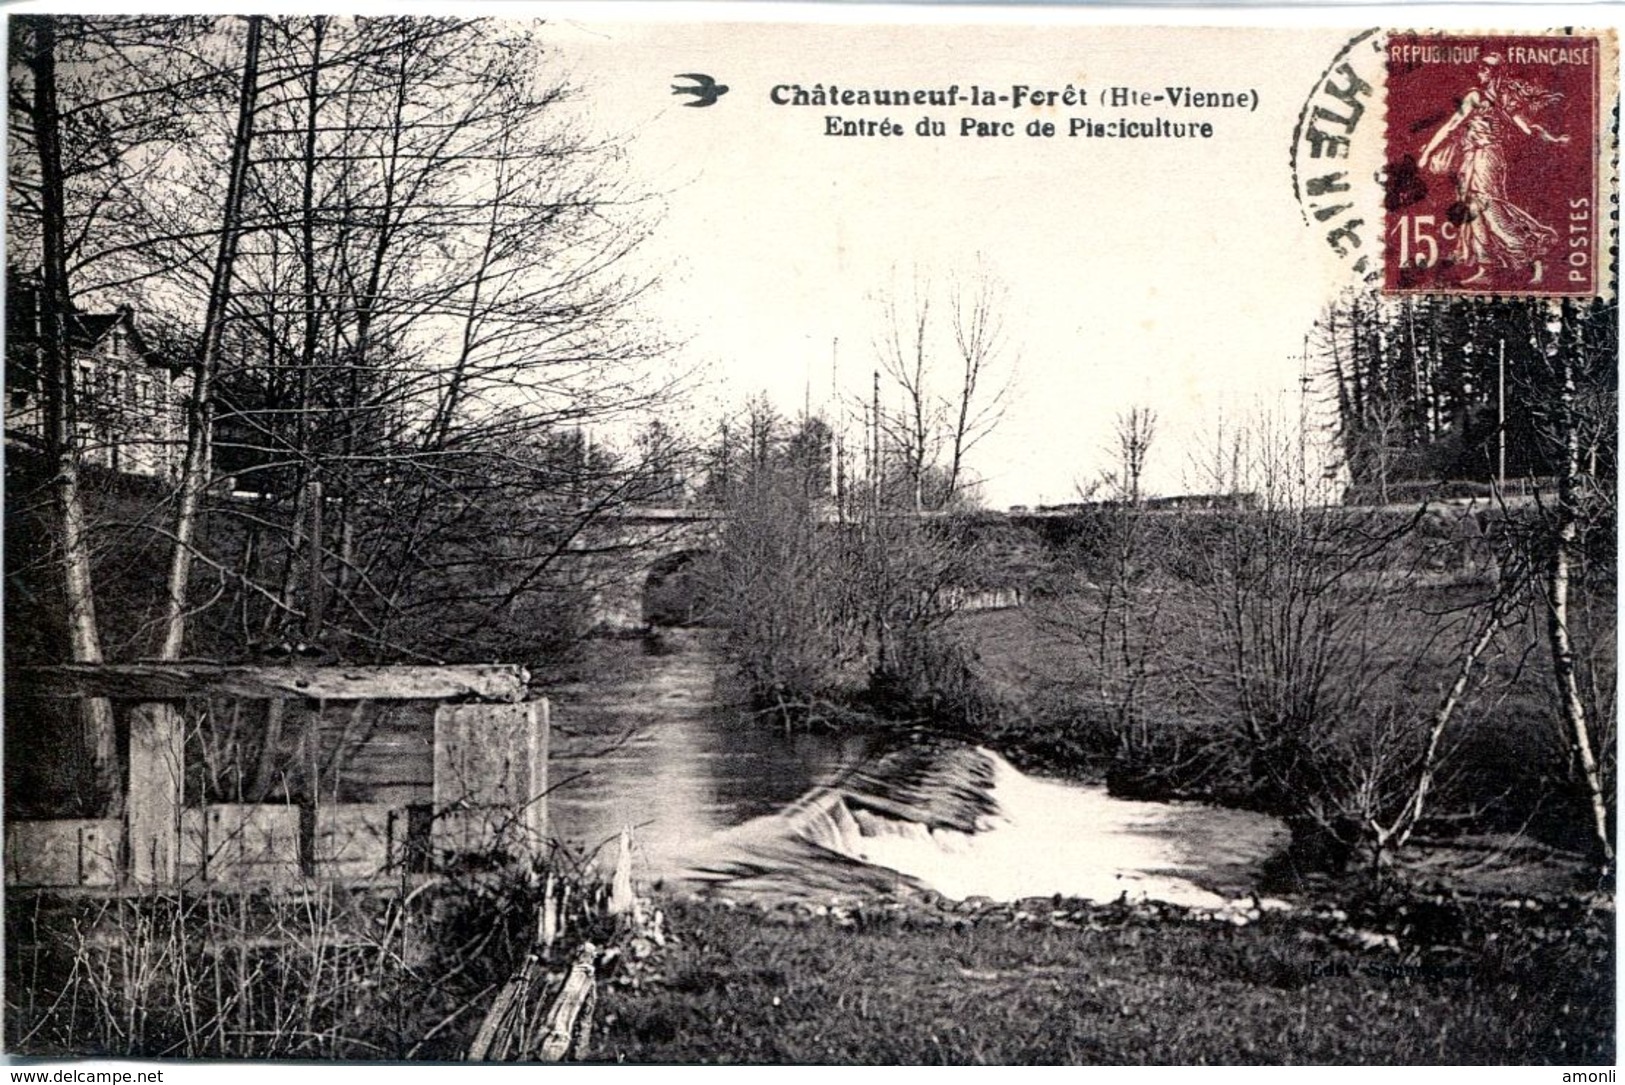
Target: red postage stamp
(1492,157)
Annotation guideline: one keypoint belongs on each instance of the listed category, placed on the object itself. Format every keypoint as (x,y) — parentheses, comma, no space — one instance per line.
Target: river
(657,739)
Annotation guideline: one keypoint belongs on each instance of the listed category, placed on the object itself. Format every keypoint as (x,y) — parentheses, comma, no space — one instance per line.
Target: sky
(1178,275)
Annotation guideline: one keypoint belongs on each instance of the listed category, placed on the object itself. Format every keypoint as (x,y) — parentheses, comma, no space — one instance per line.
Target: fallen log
(523,1025)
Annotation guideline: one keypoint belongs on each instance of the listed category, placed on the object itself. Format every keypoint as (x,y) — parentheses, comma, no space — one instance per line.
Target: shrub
(319,972)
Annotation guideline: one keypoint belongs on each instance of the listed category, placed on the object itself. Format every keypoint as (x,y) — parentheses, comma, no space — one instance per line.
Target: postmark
(1491,176)
(1334,165)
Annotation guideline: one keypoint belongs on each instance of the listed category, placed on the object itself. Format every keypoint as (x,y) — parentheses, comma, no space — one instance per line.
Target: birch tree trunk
(61,401)
(196,467)
(1557,595)
(1400,832)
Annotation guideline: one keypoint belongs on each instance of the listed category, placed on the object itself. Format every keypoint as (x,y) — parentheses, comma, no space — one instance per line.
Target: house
(130,409)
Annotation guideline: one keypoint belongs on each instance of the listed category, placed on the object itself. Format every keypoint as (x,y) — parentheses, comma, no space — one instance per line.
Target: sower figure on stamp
(1472,146)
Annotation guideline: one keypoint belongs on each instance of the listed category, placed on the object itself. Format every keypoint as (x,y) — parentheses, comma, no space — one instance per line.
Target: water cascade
(963,822)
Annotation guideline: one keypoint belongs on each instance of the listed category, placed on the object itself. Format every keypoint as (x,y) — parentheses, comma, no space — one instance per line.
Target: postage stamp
(1492,156)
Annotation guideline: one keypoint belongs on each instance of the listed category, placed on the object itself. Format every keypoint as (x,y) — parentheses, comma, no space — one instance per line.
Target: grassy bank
(1063,982)
(1168,718)
(1367,674)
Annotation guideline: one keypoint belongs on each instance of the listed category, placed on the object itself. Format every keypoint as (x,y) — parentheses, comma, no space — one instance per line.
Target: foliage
(821,600)
(1424,386)
(782,590)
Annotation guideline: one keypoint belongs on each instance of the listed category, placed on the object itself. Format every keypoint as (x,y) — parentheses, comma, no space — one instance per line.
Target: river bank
(1476,948)
(1395,980)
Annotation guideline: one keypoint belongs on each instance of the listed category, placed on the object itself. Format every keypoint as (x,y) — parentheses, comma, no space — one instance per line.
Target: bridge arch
(675,587)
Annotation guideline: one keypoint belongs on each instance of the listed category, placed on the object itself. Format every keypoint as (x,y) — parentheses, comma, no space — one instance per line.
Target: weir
(961,821)
(656,735)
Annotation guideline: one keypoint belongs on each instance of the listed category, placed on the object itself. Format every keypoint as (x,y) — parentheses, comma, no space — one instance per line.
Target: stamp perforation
(1514,220)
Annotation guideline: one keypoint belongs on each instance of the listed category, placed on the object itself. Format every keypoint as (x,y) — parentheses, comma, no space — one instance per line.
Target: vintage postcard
(825,535)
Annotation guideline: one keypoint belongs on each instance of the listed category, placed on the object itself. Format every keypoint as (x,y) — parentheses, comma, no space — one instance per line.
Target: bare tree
(409,286)
(978,309)
(940,410)
(1300,595)
(1135,432)
(37,35)
(197,467)
(1382,439)
(124,86)
(1116,614)
(913,427)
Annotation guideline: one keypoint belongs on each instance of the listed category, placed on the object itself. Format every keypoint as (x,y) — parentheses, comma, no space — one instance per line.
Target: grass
(1111,988)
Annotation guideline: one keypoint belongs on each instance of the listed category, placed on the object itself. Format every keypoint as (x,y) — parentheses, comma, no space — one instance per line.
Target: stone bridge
(633,557)
(631,553)
(632,561)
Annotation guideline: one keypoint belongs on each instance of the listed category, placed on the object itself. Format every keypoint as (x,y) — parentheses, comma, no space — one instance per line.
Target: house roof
(85,330)
(89,329)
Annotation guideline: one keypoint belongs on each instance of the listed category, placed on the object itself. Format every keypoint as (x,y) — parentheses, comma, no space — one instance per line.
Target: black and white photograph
(829,534)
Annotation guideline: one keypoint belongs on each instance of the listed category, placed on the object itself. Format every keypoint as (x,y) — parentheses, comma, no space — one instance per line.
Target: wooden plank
(232,842)
(68,852)
(567,1028)
(174,681)
(620,901)
(358,840)
(156,789)
(385,754)
(490,781)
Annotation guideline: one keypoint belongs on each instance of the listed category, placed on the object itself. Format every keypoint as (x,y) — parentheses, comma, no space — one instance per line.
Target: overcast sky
(1174,274)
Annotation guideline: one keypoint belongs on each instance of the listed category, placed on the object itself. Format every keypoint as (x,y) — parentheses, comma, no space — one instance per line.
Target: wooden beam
(156,792)
(174,681)
(240,842)
(569,1020)
(61,853)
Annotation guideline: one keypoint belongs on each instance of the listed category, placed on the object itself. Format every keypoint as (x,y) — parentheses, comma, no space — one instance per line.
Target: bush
(323,972)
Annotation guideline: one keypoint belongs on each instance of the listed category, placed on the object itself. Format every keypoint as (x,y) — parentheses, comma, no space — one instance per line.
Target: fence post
(156,789)
(490,781)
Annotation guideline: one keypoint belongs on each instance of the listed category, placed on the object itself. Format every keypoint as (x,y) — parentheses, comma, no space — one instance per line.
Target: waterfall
(963,822)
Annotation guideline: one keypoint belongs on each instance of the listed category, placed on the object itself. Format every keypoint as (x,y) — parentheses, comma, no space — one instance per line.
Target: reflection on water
(657,739)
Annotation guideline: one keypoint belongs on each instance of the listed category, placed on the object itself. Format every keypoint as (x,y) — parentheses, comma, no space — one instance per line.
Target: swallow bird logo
(706,90)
